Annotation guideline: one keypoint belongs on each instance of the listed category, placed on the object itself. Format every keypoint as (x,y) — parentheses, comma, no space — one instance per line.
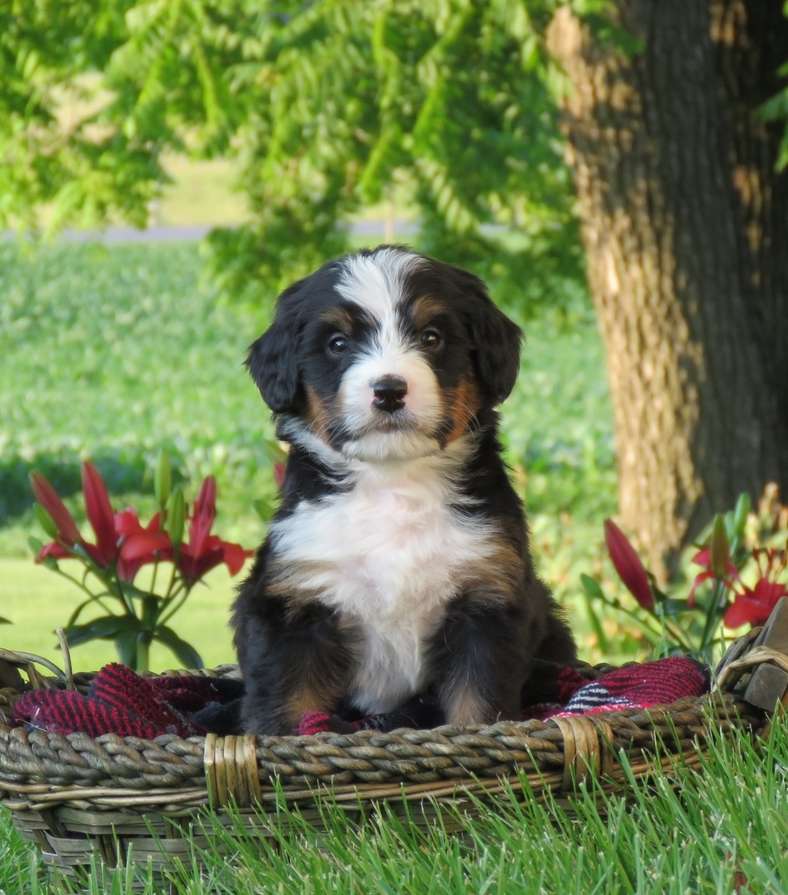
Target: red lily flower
(99,513)
(205,551)
(754,605)
(140,546)
(628,565)
(703,559)
(46,495)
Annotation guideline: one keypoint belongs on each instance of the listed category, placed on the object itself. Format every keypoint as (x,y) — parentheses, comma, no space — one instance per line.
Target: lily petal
(99,512)
(53,551)
(203,516)
(46,495)
(146,544)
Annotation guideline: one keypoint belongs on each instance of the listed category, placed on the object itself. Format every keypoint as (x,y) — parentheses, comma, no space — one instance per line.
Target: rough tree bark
(685,225)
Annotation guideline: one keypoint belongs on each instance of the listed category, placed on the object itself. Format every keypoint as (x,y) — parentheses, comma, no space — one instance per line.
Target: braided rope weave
(51,768)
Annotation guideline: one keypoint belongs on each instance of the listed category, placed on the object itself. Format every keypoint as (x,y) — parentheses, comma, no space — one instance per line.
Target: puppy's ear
(496,341)
(273,359)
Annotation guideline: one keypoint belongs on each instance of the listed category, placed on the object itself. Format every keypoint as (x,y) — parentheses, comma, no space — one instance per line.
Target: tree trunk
(685,225)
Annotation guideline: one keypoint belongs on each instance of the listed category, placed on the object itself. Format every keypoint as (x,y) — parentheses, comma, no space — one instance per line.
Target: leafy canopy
(327,107)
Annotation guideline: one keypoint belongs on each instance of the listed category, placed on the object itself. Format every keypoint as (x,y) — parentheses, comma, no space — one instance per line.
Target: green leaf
(591,587)
(105,628)
(672,607)
(264,508)
(741,512)
(5,621)
(77,612)
(184,652)
(591,592)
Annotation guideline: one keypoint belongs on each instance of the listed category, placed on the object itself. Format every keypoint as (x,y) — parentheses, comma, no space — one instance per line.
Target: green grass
(719,830)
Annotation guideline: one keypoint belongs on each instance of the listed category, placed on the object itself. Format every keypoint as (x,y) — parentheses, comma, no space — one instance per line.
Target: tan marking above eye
(340,318)
(424,309)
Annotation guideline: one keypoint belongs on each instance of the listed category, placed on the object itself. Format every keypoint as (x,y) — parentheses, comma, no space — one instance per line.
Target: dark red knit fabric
(126,704)
(120,702)
(639,686)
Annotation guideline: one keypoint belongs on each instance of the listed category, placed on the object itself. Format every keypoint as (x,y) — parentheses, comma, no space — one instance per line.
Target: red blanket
(123,703)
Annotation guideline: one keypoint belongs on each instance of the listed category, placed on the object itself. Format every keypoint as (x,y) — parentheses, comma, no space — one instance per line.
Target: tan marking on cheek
(318,413)
(463,407)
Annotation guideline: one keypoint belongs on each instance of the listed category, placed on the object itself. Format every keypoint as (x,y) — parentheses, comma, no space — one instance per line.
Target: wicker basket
(83,799)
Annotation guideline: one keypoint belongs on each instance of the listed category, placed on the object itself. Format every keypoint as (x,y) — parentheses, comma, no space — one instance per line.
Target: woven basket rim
(38,767)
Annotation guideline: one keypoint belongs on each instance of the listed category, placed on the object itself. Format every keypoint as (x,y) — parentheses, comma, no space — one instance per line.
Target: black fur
(482,653)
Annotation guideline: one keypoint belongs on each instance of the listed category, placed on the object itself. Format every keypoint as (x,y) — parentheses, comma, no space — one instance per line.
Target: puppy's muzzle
(389,392)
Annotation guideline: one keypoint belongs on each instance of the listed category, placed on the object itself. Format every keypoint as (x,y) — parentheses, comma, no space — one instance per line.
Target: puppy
(398,562)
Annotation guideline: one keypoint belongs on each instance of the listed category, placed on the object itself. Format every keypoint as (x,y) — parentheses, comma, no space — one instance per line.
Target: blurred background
(614,170)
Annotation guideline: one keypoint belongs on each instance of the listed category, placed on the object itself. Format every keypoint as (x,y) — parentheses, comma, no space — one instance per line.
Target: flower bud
(719,549)
(741,512)
(176,516)
(628,565)
(162,483)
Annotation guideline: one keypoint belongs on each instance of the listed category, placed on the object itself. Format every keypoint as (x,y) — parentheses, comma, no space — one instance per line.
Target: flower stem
(712,617)
(167,615)
(143,653)
(85,589)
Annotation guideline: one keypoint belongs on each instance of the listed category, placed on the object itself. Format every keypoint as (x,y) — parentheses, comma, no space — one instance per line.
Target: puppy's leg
(478,662)
(292,664)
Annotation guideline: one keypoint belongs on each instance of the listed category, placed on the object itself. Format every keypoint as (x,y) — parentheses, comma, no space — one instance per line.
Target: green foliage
(718,829)
(116,353)
(328,106)
(86,165)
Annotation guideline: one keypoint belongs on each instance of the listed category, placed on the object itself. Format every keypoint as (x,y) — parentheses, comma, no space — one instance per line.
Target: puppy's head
(386,354)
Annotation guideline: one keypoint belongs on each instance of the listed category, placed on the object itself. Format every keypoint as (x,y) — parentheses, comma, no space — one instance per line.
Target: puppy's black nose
(389,393)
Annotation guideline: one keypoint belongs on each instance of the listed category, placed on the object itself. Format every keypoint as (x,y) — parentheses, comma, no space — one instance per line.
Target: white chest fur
(388,555)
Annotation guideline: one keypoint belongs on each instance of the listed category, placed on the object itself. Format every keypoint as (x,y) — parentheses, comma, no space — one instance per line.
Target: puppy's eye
(430,338)
(338,344)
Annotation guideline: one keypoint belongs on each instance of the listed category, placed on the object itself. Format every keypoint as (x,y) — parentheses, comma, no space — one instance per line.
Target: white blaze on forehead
(377,283)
